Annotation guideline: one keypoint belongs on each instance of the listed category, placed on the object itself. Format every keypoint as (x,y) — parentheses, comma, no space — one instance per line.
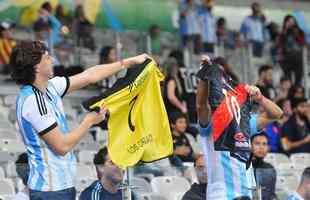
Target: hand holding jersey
(224,107)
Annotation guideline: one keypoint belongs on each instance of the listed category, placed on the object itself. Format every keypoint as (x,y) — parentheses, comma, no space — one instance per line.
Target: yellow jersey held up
(138,125)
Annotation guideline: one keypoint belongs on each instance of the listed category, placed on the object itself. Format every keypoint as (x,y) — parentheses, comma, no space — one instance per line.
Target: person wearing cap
(7,43)
(296,131)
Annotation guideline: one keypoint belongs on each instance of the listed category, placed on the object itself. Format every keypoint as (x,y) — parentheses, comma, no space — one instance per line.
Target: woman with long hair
(290,44)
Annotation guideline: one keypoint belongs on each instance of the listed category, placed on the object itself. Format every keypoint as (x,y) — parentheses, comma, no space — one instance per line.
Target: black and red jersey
(230,106)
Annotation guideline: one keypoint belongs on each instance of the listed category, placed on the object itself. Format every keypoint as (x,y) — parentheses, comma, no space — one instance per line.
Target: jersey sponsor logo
(239,137)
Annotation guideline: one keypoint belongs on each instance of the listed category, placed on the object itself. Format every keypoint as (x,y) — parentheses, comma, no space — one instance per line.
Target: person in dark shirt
(265,81)
(265,174)
(296,131)
(198,191)
(110,177)
(181,145)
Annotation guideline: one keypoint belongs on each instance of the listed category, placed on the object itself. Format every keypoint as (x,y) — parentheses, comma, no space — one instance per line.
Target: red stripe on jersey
(221,117)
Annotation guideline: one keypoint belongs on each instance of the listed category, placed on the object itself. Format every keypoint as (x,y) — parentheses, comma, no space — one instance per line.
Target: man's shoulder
(95,187)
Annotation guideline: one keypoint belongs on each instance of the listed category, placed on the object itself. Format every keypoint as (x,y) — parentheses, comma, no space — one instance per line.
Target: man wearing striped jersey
(42,121)
(230,175)
(107,187)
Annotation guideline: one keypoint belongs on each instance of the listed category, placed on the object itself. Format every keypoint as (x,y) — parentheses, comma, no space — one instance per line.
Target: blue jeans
(66,194)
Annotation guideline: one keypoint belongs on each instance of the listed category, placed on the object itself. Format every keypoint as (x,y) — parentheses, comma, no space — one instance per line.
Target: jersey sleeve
(60,84)
(39,114)
(253,124)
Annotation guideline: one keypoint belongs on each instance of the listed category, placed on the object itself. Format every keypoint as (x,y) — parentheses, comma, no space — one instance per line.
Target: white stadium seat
(140,186)
(6,187)
(86,156)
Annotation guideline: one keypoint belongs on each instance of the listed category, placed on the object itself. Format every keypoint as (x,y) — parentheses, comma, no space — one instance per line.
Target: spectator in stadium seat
(303,190)
(83,29)
(224,36)
(183,151)
(264,173)
(189,24)
(208,23)
(109,176)
(47,26)
(253,29)
(108,55)
(290,45)
(22,170)
(7,43)
(296,131)
(274,33)
(156,43)
(174,88)
(284,88)
(198,190)
(296,91)
(265,83)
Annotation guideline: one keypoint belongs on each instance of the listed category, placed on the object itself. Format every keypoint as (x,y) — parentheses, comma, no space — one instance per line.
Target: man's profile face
(201,170)
(112,172)
(44,67)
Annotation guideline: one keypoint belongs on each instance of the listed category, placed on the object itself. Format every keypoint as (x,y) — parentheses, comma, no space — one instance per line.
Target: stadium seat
(169,186)
(10,169)
(8,134)
(13,146)
(6,157)
(6,187)
(83,183)
(300,160)
(86,156)
(6,197)
(9,100)
(287,183)
(2,174)
(88,171)
(151,197)
(140,185)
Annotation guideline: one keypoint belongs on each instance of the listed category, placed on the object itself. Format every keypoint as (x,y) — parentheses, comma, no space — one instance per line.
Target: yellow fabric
(91,9)
(30,13)
(150,138)
(6,47)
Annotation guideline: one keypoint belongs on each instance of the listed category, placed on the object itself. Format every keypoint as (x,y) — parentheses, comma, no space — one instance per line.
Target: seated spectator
(296,131)
(173,91)
(285,105)
(108,55)
(109,176)
(296,92)
(265,174)
(83,29)
(224,36)
(265,83)
(183,151)
(22,170)
(47,26)
(284,88)
(198,190)
(7,43)
(156,45)
(303,190)
(274,33)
